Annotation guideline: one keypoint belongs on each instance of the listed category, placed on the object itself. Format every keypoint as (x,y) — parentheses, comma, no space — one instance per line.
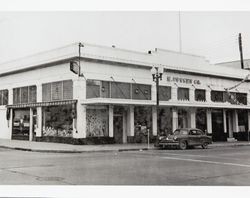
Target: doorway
(119,124)
(218,126)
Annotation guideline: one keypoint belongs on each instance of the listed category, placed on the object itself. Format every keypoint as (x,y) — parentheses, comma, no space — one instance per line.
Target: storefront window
(183,93)
(165,120)
(120,90)
(164,93)
(21,124)
(143,122)
(24,95)
(93,88)
(217,96)
(4,97)
(241,98)
(61,90)
(97,121)
(200,95)
(141,92)
(58,121)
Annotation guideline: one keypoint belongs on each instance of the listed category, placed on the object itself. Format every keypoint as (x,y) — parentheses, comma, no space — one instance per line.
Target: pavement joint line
(209,162)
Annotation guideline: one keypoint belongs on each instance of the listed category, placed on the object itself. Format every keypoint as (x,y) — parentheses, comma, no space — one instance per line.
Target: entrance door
(21,124)
(218,126)
(118,128)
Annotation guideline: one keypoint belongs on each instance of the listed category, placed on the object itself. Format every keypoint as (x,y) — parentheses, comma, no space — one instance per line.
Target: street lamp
(157,76)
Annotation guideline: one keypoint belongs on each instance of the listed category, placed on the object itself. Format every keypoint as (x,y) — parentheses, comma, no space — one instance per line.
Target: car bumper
(168,143)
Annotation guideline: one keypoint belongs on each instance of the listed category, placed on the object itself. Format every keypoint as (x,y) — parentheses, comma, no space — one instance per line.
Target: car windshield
(180,132)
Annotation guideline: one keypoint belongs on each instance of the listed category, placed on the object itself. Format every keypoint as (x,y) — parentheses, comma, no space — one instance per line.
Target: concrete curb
(111,150)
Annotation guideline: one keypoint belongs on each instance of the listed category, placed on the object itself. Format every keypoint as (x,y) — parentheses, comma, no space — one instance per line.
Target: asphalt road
(214,166)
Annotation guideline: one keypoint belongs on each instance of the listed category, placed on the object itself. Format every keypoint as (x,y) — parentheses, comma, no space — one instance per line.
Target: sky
(212,34)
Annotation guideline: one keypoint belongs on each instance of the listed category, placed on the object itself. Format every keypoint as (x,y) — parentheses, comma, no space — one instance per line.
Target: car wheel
(183,145)
(204,145)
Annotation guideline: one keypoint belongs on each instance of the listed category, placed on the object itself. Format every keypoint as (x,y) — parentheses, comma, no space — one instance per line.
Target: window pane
(120,90)
(105,89)
(141,92)
(16,95)
(56,91)
(32,94)
(183,94)
(46,92)
(217,96)
(93,88)
(67,89)
(24,95)
(1,97)
(164,93)
(200,95)
(5,97)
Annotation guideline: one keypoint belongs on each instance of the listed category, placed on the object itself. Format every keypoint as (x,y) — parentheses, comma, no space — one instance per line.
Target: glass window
(4,97)
(57,121)
(56,89)
(93,88)
(120,90)
(105,89)
(183,93)
(164,93)
(200,95)
(46,92)
(24,95)
(241,98)
(141,92)
(67,89)
(97,122)
(217,96)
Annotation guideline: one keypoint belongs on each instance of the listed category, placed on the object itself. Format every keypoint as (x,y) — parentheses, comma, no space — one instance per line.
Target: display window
(58,121)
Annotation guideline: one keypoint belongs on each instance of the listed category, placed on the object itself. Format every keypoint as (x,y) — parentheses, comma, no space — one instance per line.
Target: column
(39,111)
(10,102)
(79,93)
(235,121)
(208,95)
(174,93)
(130,123)
(31,125)
(230,125)
(225,120)
(174,119)
(124,131)
(154,118)
(209,121)
(192,119)
(111,118)
(191,94)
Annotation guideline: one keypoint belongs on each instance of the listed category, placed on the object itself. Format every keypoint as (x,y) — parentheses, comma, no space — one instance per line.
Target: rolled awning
(42,104)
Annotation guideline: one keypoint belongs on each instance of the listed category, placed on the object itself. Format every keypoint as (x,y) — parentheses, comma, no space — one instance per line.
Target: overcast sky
(210,34)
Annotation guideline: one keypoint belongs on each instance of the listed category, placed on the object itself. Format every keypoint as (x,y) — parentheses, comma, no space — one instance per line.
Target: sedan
(184,138)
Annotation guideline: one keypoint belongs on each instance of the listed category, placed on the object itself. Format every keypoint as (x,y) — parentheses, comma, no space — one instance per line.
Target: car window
(180,132)
(193,132)
(199,132)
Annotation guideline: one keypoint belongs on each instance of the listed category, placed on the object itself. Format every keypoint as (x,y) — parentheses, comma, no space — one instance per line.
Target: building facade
(114,101)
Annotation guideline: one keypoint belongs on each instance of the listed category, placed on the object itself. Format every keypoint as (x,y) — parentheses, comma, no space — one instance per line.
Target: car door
(193,138)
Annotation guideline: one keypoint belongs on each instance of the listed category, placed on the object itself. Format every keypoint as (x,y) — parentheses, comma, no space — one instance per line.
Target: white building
(115,99)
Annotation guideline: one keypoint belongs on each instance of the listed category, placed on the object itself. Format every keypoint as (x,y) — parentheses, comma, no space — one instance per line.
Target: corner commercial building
(115,99)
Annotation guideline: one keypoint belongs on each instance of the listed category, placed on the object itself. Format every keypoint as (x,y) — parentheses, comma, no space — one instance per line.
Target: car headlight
(175,138)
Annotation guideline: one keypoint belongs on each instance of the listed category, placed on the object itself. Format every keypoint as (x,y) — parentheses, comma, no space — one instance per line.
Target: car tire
(204,145)
(183,145)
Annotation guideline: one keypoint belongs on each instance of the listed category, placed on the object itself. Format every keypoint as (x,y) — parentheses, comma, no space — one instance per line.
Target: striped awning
(42,104)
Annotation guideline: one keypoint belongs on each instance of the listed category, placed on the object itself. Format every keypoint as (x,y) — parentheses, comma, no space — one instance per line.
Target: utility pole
(241,53)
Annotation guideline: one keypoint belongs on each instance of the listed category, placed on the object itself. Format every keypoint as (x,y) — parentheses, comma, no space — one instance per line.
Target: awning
(42,104)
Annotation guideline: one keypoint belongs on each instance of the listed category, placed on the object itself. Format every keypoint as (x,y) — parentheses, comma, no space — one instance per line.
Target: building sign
(183,80)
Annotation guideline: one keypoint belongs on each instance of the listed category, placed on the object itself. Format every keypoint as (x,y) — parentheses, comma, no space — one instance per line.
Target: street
(210,167)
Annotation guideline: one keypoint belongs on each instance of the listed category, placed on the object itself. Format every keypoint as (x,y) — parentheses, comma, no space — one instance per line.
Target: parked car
(184,138)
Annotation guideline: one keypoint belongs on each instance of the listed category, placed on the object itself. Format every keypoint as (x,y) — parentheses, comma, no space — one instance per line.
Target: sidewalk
(68,148)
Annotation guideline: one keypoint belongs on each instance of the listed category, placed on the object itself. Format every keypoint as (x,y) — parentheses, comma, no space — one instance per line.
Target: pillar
(10,102)
(208,95)
(209,121)
(230,125)
(31,125)
(111,123)
(225,120)
(154,118)
(174,93)
(192,118)
(39,111)
(80,123)
(130,123)
(174,119)
(124,131)
(191,94)
(235,121)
